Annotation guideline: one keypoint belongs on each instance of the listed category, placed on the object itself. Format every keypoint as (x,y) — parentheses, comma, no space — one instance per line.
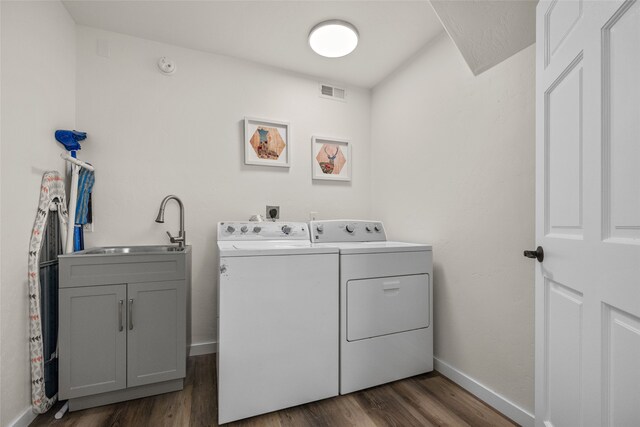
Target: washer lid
(376,247)
(271,248)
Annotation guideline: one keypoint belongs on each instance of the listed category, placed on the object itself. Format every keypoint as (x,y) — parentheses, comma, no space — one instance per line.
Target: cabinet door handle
(121,302)
(130,313)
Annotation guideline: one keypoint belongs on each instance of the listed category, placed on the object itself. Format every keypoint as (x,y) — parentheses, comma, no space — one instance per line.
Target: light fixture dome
(334,38)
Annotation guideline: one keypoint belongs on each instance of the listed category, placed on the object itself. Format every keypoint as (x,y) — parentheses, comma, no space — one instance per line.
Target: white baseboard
(200,348)
(497,401)
(24,419)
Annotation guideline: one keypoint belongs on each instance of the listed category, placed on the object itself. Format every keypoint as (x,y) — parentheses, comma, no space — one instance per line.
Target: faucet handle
(180,238)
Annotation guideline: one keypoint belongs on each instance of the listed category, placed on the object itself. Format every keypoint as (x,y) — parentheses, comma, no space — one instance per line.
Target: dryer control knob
(368,228)
(244,229)
(320,228)
(377,228)
(286,229)
(230,229)
(350,228)
(256,229)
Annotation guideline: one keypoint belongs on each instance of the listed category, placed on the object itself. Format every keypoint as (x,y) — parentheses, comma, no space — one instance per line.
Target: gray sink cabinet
(123,325)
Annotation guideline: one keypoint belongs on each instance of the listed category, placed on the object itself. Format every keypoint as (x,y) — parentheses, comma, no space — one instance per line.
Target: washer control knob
(256,229)
(377,228)
(244,229)
(320,228)
(368,228)
(230,229)
(350,228)
(286,229)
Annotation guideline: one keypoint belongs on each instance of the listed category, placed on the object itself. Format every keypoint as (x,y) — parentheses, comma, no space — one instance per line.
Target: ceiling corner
(486,32)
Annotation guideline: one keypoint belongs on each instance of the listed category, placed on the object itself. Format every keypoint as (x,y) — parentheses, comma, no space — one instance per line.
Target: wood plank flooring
(425,400)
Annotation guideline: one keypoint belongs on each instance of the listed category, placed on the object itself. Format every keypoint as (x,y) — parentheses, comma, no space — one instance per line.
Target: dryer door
(387,305)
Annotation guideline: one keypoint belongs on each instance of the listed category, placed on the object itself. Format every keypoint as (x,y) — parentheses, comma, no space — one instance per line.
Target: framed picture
(331,159)
(266,143)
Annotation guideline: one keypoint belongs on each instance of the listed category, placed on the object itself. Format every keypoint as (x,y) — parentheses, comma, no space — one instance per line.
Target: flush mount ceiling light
(333,38)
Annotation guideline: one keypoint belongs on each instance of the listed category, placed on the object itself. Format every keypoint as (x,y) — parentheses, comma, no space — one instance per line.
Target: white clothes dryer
(386,309)
(278,318)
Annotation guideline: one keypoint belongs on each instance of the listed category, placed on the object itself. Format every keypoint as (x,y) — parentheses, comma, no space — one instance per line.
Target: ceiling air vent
(332,92)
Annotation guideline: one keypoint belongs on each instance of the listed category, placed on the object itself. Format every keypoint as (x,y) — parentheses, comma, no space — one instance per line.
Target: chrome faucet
(181,238)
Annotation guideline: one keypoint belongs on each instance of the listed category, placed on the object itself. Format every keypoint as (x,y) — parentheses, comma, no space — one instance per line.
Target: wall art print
(266,142)
(331,159)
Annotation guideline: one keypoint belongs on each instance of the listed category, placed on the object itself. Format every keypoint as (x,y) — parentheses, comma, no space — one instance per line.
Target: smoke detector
(166,65)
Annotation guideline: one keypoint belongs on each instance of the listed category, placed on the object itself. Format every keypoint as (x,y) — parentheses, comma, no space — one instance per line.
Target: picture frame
(331,159)
(267,142)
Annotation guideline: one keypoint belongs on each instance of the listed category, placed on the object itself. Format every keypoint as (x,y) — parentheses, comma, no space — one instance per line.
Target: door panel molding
(569,14)
(563,138)
(620,373)
(563,339)
(620,149)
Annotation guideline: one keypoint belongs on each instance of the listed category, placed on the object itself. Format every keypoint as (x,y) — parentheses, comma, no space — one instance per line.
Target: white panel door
(588,213)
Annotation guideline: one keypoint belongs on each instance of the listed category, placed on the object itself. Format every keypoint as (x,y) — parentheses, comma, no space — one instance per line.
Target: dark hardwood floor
(425,400)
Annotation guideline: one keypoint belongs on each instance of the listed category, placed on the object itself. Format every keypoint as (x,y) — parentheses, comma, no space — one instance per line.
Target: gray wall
(38,97)
(453,161)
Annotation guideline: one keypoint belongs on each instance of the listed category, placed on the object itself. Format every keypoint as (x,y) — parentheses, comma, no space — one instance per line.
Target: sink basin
(123,250)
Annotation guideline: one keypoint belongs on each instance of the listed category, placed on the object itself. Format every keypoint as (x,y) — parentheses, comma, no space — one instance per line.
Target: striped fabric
(86,179)
(52,196)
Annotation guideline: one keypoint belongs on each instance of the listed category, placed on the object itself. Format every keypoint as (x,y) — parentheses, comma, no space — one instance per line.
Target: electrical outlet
(273,212)
(88,227)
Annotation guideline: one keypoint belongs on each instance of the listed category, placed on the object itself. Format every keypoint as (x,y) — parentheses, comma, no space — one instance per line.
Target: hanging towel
(86,179)
(52,196)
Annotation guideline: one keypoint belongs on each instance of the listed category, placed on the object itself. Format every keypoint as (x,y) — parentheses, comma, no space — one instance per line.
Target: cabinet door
(156,332)
(93,340)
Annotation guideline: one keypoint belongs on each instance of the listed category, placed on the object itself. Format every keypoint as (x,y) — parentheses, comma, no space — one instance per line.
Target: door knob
(537,254)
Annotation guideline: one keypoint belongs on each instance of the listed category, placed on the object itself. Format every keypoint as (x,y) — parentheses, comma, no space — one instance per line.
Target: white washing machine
(386,320)
(278,318)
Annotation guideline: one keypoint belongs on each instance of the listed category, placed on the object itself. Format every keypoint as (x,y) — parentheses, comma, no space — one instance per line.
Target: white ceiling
(275,32)
(488,31)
